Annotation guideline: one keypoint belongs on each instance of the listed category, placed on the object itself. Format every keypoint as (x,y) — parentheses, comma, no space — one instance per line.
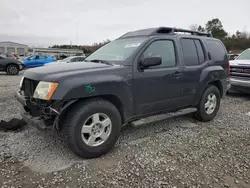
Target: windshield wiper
(100,61)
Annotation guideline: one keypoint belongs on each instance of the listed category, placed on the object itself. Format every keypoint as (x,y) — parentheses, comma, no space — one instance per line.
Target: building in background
(55,52)
(12,47)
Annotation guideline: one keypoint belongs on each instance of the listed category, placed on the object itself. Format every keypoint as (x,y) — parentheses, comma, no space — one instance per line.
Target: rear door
(194,60)
(158,88)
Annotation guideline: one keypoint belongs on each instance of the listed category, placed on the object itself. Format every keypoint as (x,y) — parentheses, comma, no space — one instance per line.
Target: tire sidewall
(204,115)
(82,116)
(8,71)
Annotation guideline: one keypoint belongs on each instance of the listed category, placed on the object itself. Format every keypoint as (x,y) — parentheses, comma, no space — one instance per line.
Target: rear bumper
(226,85)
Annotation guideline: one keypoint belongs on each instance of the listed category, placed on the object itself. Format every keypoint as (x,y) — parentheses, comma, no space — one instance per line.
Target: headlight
(21,62)
(45,90)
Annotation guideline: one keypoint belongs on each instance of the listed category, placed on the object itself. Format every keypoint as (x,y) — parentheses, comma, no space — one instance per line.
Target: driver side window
(164,49)
(41,57)
(36,57)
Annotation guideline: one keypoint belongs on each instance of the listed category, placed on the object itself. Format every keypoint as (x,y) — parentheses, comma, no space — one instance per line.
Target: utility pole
(76,32)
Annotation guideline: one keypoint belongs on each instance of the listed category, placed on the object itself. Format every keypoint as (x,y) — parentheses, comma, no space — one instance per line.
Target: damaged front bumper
(41,114)
(37,122)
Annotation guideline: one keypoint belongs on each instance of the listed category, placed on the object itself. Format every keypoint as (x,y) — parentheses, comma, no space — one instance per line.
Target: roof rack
(198,33)
(163,30)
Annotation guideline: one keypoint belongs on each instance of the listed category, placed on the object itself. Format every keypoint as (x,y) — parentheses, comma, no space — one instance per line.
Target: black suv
(140,74)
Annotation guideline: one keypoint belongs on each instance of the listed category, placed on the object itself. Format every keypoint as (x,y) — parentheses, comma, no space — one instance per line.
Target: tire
(82,114)
(12,69)
(203,113)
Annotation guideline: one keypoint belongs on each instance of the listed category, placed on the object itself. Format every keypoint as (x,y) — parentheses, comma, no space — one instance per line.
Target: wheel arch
(218,84)
(6,66)
(111,98)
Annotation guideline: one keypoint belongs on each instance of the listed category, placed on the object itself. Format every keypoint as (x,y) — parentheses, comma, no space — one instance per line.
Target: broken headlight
(45,90)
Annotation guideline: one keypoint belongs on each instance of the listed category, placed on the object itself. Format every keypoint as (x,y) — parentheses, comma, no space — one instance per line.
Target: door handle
(177,74)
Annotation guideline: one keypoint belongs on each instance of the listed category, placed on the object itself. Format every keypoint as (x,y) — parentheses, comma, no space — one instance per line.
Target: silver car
(240,72)
(70,59)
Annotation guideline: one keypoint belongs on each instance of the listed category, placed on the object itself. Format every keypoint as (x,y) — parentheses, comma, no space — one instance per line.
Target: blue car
(37,61)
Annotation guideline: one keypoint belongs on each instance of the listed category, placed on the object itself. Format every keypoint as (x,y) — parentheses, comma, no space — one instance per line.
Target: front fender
(97,85)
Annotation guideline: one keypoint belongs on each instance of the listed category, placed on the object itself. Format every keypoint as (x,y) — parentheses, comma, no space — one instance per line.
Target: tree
(201,29)
(238,34)
(85,48)
(216,28)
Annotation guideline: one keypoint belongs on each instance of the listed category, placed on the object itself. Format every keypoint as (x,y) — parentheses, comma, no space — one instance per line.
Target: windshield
(245,55)
(117,50)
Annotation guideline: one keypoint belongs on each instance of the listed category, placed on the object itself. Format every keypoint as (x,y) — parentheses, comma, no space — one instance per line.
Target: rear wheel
(92,128)
(209,104)
(12,70)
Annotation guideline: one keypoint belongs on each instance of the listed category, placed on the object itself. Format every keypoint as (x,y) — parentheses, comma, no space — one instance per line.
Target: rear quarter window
(217,50)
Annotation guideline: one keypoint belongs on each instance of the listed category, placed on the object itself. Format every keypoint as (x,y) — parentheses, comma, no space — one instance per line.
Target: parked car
(11,55)
(240,72)
(9,65)
(232,56)
(70,59)
(140,74)
(37,61)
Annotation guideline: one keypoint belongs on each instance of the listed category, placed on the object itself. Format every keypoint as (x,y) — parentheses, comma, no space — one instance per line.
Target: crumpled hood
(65,70)
(239,62)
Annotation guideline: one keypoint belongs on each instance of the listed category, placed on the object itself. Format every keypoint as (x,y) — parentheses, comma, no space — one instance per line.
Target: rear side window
(200,51)
(41,57)
(81,58)
(217,50)
(189,52)
(74,59)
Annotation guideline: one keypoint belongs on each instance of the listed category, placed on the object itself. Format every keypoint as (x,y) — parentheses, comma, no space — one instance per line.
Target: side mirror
(150,61)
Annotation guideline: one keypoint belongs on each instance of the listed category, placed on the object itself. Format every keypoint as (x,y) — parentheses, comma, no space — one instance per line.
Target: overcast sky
(48,22)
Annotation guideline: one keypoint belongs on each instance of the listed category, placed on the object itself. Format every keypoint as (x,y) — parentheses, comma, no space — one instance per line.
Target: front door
(158,88)
(41,60)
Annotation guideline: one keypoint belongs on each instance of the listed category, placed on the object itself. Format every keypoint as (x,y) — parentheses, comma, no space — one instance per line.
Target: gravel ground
(178,152)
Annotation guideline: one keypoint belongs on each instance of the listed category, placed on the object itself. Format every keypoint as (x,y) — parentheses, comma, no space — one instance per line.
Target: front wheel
(209,104)
(12,70)
(91,128)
